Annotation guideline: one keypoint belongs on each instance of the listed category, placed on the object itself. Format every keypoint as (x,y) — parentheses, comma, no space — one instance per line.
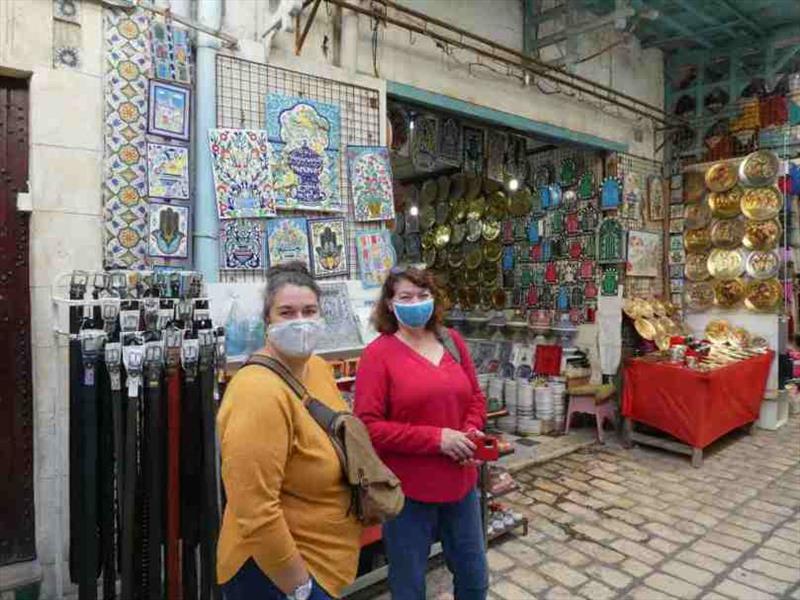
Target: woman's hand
(456,445)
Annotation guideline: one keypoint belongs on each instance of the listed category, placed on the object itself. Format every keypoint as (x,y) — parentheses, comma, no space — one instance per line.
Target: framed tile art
(242,244)
(242,173)
(169,231)
(370,183)
(287,241)
(328,246)
(169,110)
(341,325)
(167,171)
(375,256)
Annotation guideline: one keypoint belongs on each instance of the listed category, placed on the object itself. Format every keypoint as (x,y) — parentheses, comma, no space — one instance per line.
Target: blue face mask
(414,315)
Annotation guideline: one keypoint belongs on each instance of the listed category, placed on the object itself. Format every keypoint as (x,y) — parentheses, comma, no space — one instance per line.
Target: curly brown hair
(384,320)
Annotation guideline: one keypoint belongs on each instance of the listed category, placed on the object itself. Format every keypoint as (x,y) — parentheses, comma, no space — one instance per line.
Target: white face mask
(297,338)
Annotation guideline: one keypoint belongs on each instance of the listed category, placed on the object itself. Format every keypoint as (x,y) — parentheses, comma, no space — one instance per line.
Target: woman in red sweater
(419,403)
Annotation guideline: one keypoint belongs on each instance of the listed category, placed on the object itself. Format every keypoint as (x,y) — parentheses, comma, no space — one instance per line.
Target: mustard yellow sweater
(285,488)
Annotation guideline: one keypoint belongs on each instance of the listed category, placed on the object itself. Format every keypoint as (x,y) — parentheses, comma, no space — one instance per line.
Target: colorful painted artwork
(611,242)
(306,140)
(169,230)
(375,256)
(328,243)
(655,199)
(241,244)
(127,227)
(401,134)
(170,51)
(495,155)
(287,241)
(371,183)
(610,193)
(241,166)
(341,325)
(450,141)
(169,110)
(473,142)
(180,48)
(167,171)
(644,252)
(424,142)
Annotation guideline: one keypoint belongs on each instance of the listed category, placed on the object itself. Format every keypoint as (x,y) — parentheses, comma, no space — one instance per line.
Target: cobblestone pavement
(643,524)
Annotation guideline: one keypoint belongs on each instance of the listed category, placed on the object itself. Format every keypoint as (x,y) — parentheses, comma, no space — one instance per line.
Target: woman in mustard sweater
(286,532)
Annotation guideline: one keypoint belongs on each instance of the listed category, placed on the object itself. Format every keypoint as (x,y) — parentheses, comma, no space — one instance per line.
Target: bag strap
(324,416)
(446,338)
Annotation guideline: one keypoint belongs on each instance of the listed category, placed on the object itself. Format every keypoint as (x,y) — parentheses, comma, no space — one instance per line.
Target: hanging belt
(133,358)
(153,467)
(113,361)
(173,339)
(191,479)
(105,455)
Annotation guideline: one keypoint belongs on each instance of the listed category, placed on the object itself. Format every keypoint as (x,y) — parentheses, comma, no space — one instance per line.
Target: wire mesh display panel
(242,88)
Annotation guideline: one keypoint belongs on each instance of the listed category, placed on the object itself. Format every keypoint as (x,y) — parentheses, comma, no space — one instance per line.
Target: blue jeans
(250,583)
(408,540)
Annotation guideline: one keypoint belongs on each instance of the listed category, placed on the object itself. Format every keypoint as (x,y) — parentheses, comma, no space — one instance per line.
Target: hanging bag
(376,493)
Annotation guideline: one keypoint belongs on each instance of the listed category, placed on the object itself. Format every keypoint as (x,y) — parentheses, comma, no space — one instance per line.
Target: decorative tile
(125,176)
(306,138)
(169,112)
(371,183)
(644,253)
(167,171)
(495,155)
(401,134)
(241,244)
(287,241)
(169,231)
(242,173)
(473,142)
(159,49)
(328,246)
(450,150)
(169,51)
(424,142)
(341,325)
(67,41)
(67,10)
(375,256)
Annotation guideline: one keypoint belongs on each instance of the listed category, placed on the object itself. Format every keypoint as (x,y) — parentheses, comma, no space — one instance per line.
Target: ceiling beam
(731,6)
(673,23)
(549,14)
(691,7)
(657,42)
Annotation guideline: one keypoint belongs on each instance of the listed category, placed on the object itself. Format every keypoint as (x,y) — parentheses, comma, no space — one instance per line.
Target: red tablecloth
(697,408)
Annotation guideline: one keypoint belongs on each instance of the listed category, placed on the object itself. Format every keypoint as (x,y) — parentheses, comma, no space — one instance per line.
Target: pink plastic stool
(585,401)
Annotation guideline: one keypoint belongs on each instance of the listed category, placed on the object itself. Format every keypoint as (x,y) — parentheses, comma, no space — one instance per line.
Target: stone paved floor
(609,523)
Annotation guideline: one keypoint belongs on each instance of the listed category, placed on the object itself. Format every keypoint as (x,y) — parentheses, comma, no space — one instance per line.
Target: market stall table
(696,407)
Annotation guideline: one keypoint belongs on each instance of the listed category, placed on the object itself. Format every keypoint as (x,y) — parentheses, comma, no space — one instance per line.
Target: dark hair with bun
(291,273)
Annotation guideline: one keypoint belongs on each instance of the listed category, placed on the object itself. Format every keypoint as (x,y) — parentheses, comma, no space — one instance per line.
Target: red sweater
(405,402)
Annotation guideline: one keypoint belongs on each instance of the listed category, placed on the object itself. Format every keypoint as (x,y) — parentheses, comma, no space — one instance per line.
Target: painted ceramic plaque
(643,254)
(399,121)
(306,138)
(495,155)
(287,241)
(473,141)
(371,183)
(375,256)
(611,242)
(168,171)
(450,141)
(169,110)
(610,193)
(169,231)
(328,244)
(655,200)
(241,244)
(241,165)
(341,325)
(424,141)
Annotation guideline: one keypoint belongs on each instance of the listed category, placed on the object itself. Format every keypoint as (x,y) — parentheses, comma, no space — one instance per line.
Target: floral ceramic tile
(371,183)
(169,231)
(167,171)
(375,256)
(328,245)
(287,241)
(241,244)
(242,173)
(169,110)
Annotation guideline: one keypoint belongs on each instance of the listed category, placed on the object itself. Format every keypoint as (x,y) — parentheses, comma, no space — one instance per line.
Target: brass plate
(762,203)
(493,251)
(700,295)
(427,217)
(499,299)
(443,188)
(645,328)
(498,205)
(490,186)
(629,307)
(763,295)
(473,297)
(721,177)
(442,213)
(441,236)
(669,326)
(428,193)
(491,229)
(727,233)
(726,205)
(697,240)
(521,202)
(429,257)
(474,258)
(441,258)
(718,331)
(740,337)
(428,240)
(458,211)
(659,309)
(726,264)
(458,277)
(474,230)
(476,208)
(696,216)
(762,235)
(458,186)
(696,268)
(488,275)
(474,185)
(644,308)
(763,264)
(728,293)
(662,343)
(458,233)
(759,168)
